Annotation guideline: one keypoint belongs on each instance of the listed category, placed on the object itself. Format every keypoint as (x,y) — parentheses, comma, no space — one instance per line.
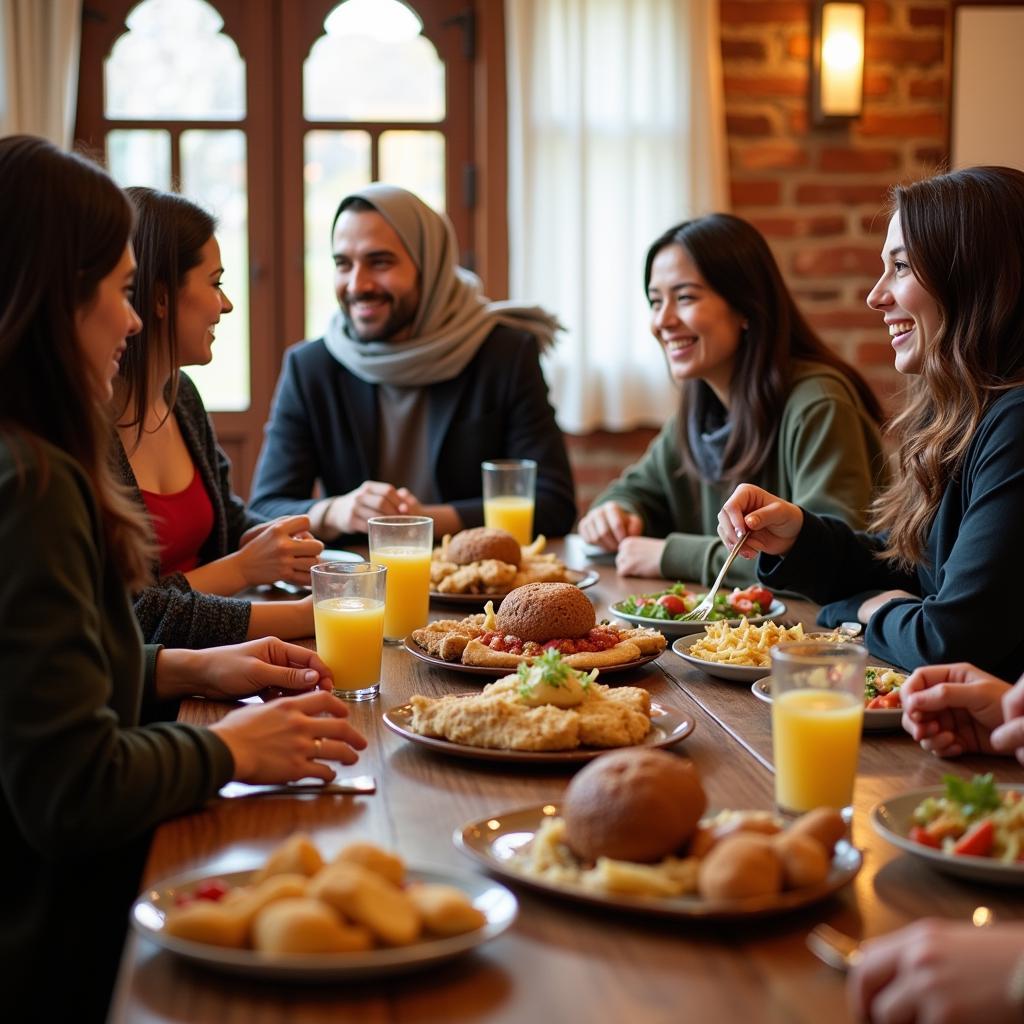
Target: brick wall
(817,193)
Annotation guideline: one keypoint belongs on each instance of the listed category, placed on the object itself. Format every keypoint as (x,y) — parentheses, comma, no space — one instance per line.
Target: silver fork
(833,947)
(703,610)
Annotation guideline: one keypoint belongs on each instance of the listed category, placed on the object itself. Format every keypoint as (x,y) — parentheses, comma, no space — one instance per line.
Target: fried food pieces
(351,904)
(499,718)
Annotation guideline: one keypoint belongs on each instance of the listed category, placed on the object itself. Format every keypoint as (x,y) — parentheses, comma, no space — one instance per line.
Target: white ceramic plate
(675,628)
(668,726)
(495,901)
(493,842)
(718,669)
(875,719)
(583,578)
(893,819)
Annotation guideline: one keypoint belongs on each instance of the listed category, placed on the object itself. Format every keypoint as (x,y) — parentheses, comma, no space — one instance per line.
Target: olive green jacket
(826,457)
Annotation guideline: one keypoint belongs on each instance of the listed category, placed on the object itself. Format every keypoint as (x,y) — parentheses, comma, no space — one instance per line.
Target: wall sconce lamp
(837,60)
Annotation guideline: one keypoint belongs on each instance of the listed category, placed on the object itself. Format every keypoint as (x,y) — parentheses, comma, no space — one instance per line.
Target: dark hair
(72,224)
(355,203)
(964,239)
(170,232)
(734,259)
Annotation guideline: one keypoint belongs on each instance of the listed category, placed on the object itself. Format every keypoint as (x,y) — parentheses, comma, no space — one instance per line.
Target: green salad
(677,601)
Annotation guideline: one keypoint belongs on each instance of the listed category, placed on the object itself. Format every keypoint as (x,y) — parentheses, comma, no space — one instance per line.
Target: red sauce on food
(600,638)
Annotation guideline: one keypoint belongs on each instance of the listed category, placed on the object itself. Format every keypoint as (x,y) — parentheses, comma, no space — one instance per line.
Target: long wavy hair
(72,224)
(964,239)
(170,232)
(734,259)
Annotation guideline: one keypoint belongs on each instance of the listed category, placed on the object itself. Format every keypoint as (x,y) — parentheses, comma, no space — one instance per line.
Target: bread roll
(368,899)
(638,805)
(444,909)
(804,860)
(248,901)
(824,824)
(483,542)
(206,921)
(305,926)
(546,611)
(707,836)
(739,867)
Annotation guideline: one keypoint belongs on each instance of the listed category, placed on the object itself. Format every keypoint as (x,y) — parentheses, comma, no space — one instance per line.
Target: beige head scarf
(453,318)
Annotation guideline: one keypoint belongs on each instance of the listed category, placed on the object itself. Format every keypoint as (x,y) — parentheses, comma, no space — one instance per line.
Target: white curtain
(39,50)
(616,132)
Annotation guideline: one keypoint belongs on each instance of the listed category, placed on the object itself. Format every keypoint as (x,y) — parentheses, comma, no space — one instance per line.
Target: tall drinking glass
(509,489)
(817,711)
(404,545)
(348,616)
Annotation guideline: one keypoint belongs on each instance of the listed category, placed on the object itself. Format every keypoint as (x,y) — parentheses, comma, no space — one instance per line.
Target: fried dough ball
(368,899)
(483,542)
(306,926)
(445,910)
(824,824)
(546,611)
(708,836)
(739,867)
(638,805)
(383,862)
(296,856)
(804,860)
(206,921)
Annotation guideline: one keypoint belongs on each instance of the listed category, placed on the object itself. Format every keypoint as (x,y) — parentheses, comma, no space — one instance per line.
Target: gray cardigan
(171,612)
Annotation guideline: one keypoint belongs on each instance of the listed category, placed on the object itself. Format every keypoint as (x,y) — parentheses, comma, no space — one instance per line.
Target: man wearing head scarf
(417,380)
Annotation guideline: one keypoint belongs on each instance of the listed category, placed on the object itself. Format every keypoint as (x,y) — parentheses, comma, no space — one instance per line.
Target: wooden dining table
(561,960)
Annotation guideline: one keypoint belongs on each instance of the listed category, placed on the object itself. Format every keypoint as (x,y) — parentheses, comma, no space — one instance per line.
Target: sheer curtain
(616,132)
(39,47)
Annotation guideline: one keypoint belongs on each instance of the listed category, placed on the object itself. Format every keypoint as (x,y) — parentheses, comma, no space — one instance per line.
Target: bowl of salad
(968,827)
(664,609)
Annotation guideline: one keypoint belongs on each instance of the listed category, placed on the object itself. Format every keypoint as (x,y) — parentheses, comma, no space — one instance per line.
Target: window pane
(336,163)
(373,65)
(414,160)
(173,63)
(213,174)
(140,158)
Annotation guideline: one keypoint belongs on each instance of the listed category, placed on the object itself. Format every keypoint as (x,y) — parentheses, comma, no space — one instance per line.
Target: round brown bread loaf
(546,611)
(638,805)
(483,542)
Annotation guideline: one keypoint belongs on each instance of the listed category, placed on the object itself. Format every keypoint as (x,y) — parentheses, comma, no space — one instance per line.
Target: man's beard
(397,319)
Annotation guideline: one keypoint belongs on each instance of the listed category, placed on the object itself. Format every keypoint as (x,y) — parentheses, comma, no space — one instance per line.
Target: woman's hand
(282,549)
(290,738)
(952,709)
(609,525)
(640,556)
(1009,737)
(771,524)
(938,971)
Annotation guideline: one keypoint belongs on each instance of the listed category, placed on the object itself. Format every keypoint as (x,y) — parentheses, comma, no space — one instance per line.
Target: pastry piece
(368,899)
(297,855)
(804,860)
(385,863)
(444,909)
(823,823)
(306,926)
(206,921)
(740,867)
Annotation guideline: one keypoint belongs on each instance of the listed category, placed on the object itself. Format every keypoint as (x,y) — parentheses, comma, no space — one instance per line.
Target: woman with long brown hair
(762,398)
(210,545)
(938,578)
(87,766)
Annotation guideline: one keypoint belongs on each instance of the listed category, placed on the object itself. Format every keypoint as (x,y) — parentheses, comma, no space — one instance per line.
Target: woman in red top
(211,546)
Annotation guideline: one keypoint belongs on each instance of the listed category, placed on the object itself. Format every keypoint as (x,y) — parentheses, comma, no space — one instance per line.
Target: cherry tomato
(921,835)
(978,842)
(212,889)
(743,605)
(886,701)
(673,604)
(754,594)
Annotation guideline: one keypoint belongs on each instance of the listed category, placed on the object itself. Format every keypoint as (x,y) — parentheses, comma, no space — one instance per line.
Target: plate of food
(633,834)
(882,709)
(531,619)
(973,828)
(665,609)
(544,713)
(481,563)
(296,918)
(738,654)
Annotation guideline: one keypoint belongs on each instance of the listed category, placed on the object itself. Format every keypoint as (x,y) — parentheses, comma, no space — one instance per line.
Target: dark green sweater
(826,456)
(83,780)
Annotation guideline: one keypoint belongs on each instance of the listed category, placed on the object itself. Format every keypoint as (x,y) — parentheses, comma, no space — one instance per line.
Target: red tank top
(182,523)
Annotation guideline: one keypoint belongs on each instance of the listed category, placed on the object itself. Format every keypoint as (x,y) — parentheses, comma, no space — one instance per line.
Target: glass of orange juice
(348,617)
(404,544)
(509,486)
(817,710)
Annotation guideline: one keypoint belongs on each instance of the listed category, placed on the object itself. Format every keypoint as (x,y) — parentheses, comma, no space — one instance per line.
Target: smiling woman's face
(105,322)
(910,312)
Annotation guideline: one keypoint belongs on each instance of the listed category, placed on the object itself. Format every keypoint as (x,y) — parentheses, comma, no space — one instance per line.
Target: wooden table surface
(559,961)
